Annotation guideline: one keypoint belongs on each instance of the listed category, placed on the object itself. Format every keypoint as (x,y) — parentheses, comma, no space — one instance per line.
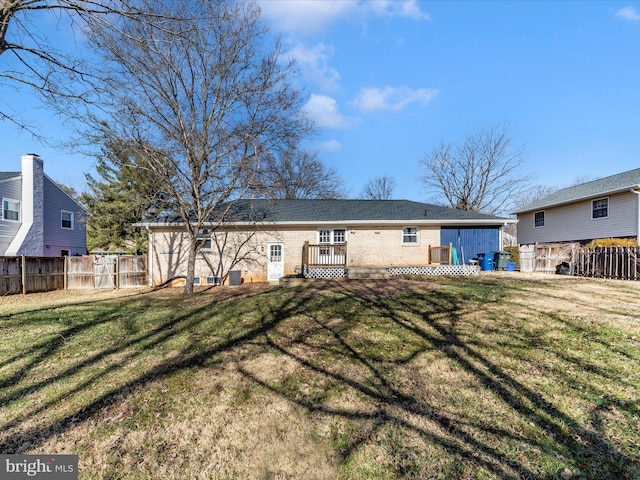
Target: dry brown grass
(501,376)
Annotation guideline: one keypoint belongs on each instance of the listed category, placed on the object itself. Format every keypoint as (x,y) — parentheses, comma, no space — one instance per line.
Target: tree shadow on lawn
(328,344)
(434,318)
(119,356)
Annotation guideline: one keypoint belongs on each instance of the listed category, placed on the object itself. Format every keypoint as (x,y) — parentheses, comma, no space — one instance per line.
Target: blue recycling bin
(485,260)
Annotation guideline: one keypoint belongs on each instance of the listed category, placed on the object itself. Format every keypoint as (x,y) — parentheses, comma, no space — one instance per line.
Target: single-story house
(604,208)
(264,240)
(38,217)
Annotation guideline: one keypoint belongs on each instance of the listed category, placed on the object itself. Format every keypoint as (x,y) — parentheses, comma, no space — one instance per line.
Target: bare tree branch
(194,88)
(31,60)
(379,188)
(296,174)
(482,174)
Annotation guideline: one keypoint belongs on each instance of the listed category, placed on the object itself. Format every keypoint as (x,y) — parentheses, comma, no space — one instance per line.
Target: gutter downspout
(633,190)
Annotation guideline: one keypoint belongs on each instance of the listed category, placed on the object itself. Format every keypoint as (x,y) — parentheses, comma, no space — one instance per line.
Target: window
(538,219)
(196,280)
(600,208)
(275,253)
(332,254)
(10,209)
(410,235)
(332,237)
(205,238)
(67,220)
(64,253)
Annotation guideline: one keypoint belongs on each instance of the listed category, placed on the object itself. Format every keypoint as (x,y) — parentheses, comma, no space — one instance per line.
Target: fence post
(24,274)
(305,255)
(65,271)
(117,269)
(344,256)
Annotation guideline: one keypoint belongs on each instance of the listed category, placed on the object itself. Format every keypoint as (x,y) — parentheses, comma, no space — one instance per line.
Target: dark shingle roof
(326,211)
(8,175)
(596,188)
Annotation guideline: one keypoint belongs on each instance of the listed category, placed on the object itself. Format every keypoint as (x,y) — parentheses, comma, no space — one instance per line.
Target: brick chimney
(30,237)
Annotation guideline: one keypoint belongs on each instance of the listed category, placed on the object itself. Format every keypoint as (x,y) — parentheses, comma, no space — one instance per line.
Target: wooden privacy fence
(31,274)
(621,263)
(42,274)
(544,257)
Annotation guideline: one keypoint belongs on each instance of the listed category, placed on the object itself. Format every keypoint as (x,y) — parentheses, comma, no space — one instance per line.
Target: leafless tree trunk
(379,188)
(482,174)
(195,88)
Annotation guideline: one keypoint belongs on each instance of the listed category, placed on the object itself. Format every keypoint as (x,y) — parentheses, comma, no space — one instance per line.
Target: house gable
(70,236)
(40,230)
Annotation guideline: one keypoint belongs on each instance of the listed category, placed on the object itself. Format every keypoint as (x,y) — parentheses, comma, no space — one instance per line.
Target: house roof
(342,212)
(597,188)
(8,175)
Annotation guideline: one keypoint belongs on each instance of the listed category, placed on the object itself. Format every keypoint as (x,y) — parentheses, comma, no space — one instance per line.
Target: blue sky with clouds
(387,81)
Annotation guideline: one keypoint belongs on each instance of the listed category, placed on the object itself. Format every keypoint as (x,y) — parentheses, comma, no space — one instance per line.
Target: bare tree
(481,174)
(297,174)
(533,194)
(32,60)
(379,188)
(195,88)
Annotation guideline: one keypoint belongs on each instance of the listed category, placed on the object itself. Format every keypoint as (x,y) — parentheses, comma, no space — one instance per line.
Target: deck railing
(440,255)
(324,255)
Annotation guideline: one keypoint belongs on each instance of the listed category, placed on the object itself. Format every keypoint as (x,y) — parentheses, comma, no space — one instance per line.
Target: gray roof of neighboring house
(340,211)
(615,183)
(8,175)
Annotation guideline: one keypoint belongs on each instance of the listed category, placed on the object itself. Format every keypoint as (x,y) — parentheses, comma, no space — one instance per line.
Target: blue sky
(387,81)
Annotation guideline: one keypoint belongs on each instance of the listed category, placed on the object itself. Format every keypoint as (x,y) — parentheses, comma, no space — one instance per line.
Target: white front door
(275,261)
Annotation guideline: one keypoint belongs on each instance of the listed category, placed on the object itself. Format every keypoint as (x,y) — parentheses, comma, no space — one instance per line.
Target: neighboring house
(267,239)
(605,208)
(38,217)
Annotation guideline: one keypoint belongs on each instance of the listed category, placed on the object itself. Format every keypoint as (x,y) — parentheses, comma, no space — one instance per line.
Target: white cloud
(397,8)
(305,16)
(324,110)
(314,65)
(312,16)
(628,13)
(391,98)
(331,146)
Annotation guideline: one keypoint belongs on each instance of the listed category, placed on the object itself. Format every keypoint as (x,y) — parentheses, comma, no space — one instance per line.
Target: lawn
(493,377)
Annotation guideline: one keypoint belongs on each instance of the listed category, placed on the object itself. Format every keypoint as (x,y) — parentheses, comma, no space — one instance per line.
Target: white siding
(573,222)
(11,188)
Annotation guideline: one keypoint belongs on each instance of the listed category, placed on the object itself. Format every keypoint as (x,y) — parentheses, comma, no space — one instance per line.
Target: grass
(490,377)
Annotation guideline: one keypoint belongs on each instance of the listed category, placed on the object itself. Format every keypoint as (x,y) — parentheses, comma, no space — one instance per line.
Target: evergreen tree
(122,194)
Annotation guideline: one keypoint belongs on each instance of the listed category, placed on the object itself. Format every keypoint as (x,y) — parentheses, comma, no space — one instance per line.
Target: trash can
(234,278)
(486,261)
(502,260)
(511,267)
(565,268)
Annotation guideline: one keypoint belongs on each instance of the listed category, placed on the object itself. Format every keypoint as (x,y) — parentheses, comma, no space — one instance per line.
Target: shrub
(515,254)
(612,242)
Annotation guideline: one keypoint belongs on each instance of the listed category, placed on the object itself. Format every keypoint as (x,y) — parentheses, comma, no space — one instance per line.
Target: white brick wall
(247,250)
